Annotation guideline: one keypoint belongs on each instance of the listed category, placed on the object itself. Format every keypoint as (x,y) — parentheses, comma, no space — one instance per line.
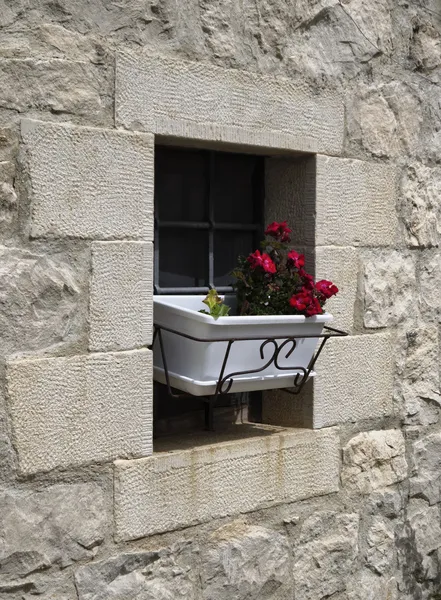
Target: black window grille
(208,211)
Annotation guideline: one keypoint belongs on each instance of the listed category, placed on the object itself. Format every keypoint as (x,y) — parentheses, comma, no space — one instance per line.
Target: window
(208,211)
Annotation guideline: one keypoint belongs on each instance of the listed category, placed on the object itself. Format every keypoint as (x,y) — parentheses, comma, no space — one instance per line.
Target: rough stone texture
(176,98)
(104,182)
(355,203)
(243,561)
(367,586)
(344,389)
(380,552)
(57,87)
(426,481)
(429,272)
(71,411)
(173,490)
(121,302)
(424,522)
(324,555)
(159,575)
(53,527)
(420,190)
(43,300)
(389,288)
(374,459)
(417,391)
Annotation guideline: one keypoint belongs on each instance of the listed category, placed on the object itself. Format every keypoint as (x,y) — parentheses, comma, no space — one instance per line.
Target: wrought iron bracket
(226,380)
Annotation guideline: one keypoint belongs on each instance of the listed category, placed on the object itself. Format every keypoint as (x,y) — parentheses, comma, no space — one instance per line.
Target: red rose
(295,259)
(308,280)
(256,259)
(326,288)
(306,302)
(280,231)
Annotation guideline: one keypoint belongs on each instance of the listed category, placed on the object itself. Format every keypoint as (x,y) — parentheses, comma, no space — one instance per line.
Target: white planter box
(194,367)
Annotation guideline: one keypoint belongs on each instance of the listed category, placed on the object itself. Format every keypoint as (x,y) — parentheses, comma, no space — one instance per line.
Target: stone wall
(76,202)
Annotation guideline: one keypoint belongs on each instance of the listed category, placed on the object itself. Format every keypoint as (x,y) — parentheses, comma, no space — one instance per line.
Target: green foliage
(215,304)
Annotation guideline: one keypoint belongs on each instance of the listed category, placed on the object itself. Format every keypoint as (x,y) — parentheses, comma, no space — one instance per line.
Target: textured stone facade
(86,87)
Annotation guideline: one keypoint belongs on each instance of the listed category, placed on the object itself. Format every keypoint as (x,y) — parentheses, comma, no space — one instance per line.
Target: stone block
(121,301)
(339,265)
(56,526)
(59,87)
(373,460)
(89,183)
(355,203)
(290,195)
(324,554)
(353,382)
(200,101)
(177,489)
(426,480)
(67,412)
(240,561)
(389,287)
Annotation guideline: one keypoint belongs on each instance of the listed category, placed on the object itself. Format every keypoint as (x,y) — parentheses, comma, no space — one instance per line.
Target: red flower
(256,259)
(296,259)
(306,302)
(326,288)
(308,280)
(280,231)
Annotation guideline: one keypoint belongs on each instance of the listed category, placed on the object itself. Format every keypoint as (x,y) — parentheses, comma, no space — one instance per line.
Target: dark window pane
(181,184)
(228,245)
(183,258)
(233,188)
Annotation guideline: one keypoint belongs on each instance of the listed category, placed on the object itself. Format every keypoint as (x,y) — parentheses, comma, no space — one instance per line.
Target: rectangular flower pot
(195,366)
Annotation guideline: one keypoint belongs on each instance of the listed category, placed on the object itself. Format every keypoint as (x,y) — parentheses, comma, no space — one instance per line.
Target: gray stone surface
(417,388)
(58,87)
(389,288)
(104,182)
(380,551)
(121,295)
(67,412)
(242,562)
(176,98)
(374,459)
(164,574)
(426,480)
(43,300)
(56,526)
(324,554)
(175,489)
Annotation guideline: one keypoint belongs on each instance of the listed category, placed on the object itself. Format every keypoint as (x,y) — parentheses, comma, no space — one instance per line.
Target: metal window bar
(225,380)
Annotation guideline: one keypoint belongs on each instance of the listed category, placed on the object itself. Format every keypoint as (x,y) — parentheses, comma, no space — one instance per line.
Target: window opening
(209,208)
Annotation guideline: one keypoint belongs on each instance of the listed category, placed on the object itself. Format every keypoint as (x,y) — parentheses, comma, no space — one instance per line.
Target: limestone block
(176,489)
(355,203)
(242,561)
(373,460)
(365,585)
(417,382)
(339,265)
(57,86)
(121,302)
(290,195)
(426,481)
(89,183)
(72,411)
(353,382)
(424,523)
(379,555)
(56,526)
(324,554)
(201,101)
(157,575)
(429,269)
(43,299)
(420,189)
(389,287)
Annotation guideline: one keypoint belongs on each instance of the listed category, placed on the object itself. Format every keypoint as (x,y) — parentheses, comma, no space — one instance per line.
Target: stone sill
(179,485)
